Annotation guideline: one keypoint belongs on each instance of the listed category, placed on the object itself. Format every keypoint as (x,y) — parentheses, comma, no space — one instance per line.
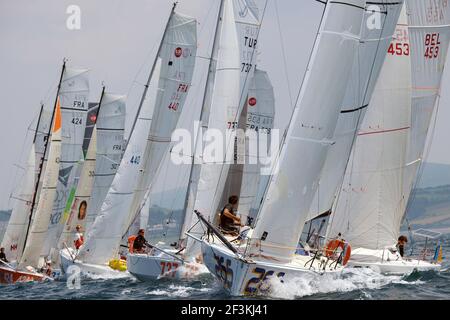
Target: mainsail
(371,201)
(376,37)
(173,72)
(226,93)
(74,95)
(429,31)
(260,119)
(309,137)
(13,240)
(41,218)
(110,126)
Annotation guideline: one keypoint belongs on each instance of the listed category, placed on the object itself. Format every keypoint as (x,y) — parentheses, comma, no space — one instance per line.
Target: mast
(41,164)
(147,85)
(38,122)
(144,94)
(205,93)
(99,104)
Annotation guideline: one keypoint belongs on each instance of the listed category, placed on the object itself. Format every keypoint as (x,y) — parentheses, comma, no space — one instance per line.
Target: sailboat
(270,249)
(390,145)
(230,70)
(170,81)
(39,210)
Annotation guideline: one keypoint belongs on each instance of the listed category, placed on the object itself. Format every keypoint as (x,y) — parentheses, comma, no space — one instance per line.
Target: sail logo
(252,102)
(374,19)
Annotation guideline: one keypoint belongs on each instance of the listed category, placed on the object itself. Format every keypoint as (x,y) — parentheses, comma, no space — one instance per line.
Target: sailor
(79,239)
(140,243)
(229,222)
(48,269)
(402,240)
(3,255)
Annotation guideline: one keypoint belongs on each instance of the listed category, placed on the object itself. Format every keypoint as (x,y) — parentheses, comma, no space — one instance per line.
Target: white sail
(221,115)
(81,201)
(108,224)
(371,202)
(14,237)
(178,54)
(150,138)
(41,218)
(371,53)
(260,118)
(110,130)
(429,31)
(310,132)
(74,94)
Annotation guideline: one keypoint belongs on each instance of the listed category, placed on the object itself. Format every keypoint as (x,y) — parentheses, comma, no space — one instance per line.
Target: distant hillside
(434,175)
(430,208)
(4,215)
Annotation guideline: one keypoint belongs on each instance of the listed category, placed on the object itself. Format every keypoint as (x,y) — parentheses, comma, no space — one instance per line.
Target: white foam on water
(349,280)
(177,291)
(108,275)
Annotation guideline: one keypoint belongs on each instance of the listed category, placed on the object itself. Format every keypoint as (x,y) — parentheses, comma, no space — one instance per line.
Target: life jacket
(79,242)
(131,243)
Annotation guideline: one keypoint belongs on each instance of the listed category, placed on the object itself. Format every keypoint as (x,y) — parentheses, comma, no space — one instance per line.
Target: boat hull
(387,262)
(150,267)
(250,278)
(93,269)
(11,276)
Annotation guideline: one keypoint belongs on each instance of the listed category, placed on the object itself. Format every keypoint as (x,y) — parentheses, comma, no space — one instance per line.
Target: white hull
(254,277)
(386,262)
(152,267)
(86,268)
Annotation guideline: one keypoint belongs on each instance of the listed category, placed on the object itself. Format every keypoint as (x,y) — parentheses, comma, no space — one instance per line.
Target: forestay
(371,201)
(376,34)
(74,94)
(310,132)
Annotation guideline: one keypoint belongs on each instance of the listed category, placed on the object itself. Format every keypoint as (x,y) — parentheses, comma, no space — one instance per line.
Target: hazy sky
(117,41)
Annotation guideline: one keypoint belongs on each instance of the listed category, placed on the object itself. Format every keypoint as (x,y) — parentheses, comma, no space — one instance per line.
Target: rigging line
(358,123)
(283,139)
(283,51)
(241,106)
